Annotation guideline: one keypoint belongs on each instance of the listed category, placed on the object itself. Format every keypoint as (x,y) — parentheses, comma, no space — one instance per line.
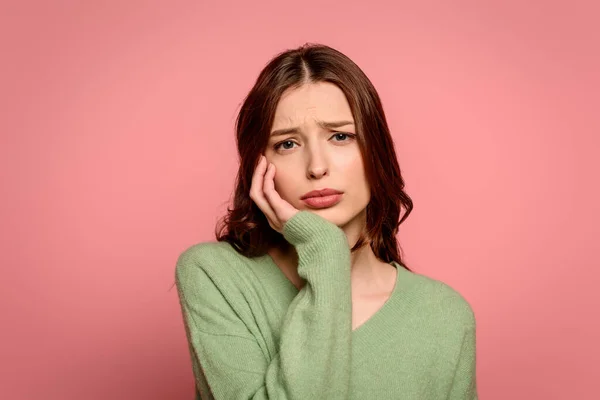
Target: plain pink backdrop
(117,153)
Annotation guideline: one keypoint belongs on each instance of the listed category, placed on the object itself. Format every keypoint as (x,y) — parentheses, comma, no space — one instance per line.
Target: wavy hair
(245,227)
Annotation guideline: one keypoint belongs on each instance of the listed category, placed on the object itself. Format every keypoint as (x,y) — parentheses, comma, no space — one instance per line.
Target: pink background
(117,153)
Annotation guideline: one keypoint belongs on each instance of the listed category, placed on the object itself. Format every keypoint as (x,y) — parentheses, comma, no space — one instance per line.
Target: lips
(321,193)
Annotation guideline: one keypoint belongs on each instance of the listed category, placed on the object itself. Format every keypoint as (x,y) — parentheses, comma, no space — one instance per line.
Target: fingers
(271,194)
(282,208)
(257,190)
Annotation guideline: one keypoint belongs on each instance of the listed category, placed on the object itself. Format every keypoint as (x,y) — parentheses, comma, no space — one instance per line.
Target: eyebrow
(322,124)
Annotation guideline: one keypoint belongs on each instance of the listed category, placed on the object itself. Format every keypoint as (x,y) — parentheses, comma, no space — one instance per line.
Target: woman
(305,295)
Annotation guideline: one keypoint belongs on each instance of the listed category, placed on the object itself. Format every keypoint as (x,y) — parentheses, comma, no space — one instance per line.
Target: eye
(278,145)
(343,135)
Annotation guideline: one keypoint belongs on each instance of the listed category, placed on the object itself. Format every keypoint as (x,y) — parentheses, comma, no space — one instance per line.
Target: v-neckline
(376,316)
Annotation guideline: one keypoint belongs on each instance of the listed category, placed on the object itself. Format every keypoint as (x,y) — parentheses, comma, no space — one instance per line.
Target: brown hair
(245,226)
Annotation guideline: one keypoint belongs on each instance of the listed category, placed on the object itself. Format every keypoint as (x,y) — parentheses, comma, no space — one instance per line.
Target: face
(314,157)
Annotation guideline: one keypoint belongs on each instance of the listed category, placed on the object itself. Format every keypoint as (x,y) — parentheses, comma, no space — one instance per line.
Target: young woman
(304,295)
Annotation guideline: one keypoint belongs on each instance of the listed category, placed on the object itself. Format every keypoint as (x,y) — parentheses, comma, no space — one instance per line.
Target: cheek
(284,184)
(355,169)
(353,166)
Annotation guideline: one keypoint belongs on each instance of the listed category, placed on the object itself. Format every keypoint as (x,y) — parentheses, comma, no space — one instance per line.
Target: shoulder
(207,252)
(443,301)
(212,260)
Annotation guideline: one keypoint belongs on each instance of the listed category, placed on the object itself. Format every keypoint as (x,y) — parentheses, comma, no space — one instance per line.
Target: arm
(313,361)
(464,386)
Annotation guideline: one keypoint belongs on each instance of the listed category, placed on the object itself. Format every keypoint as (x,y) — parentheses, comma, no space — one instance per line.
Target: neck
(368,273)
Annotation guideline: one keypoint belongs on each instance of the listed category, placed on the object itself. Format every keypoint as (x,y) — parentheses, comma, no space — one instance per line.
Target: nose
(317,173)
(318,165)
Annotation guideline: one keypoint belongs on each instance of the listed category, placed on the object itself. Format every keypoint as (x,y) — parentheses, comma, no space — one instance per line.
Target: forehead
(322,101)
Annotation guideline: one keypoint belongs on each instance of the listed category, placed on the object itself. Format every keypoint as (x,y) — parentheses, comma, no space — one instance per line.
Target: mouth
(318,202)
(321,193)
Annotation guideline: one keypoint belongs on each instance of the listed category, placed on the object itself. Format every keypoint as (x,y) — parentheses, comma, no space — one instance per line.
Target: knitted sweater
(253,335)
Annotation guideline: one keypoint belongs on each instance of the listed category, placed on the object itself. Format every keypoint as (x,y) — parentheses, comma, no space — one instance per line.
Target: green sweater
(253,335)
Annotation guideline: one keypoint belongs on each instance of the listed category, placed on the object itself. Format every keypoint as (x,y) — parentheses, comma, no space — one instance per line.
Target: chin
(334,215)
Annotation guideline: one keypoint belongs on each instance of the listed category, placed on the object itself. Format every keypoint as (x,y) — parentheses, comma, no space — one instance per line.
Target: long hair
(245,227)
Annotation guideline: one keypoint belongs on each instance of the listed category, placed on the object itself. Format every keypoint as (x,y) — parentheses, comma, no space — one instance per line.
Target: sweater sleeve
(313,361)
(464,385)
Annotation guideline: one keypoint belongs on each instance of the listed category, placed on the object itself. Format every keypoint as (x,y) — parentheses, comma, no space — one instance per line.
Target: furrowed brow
(323,124)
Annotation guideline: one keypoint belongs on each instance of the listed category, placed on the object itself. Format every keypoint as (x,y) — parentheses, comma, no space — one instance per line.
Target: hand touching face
(263,193)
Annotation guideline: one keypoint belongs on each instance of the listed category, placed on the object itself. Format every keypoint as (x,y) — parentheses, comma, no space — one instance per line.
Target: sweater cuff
(305,226)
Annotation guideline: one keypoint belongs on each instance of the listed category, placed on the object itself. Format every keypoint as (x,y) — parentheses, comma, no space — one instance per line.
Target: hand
(263,193)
